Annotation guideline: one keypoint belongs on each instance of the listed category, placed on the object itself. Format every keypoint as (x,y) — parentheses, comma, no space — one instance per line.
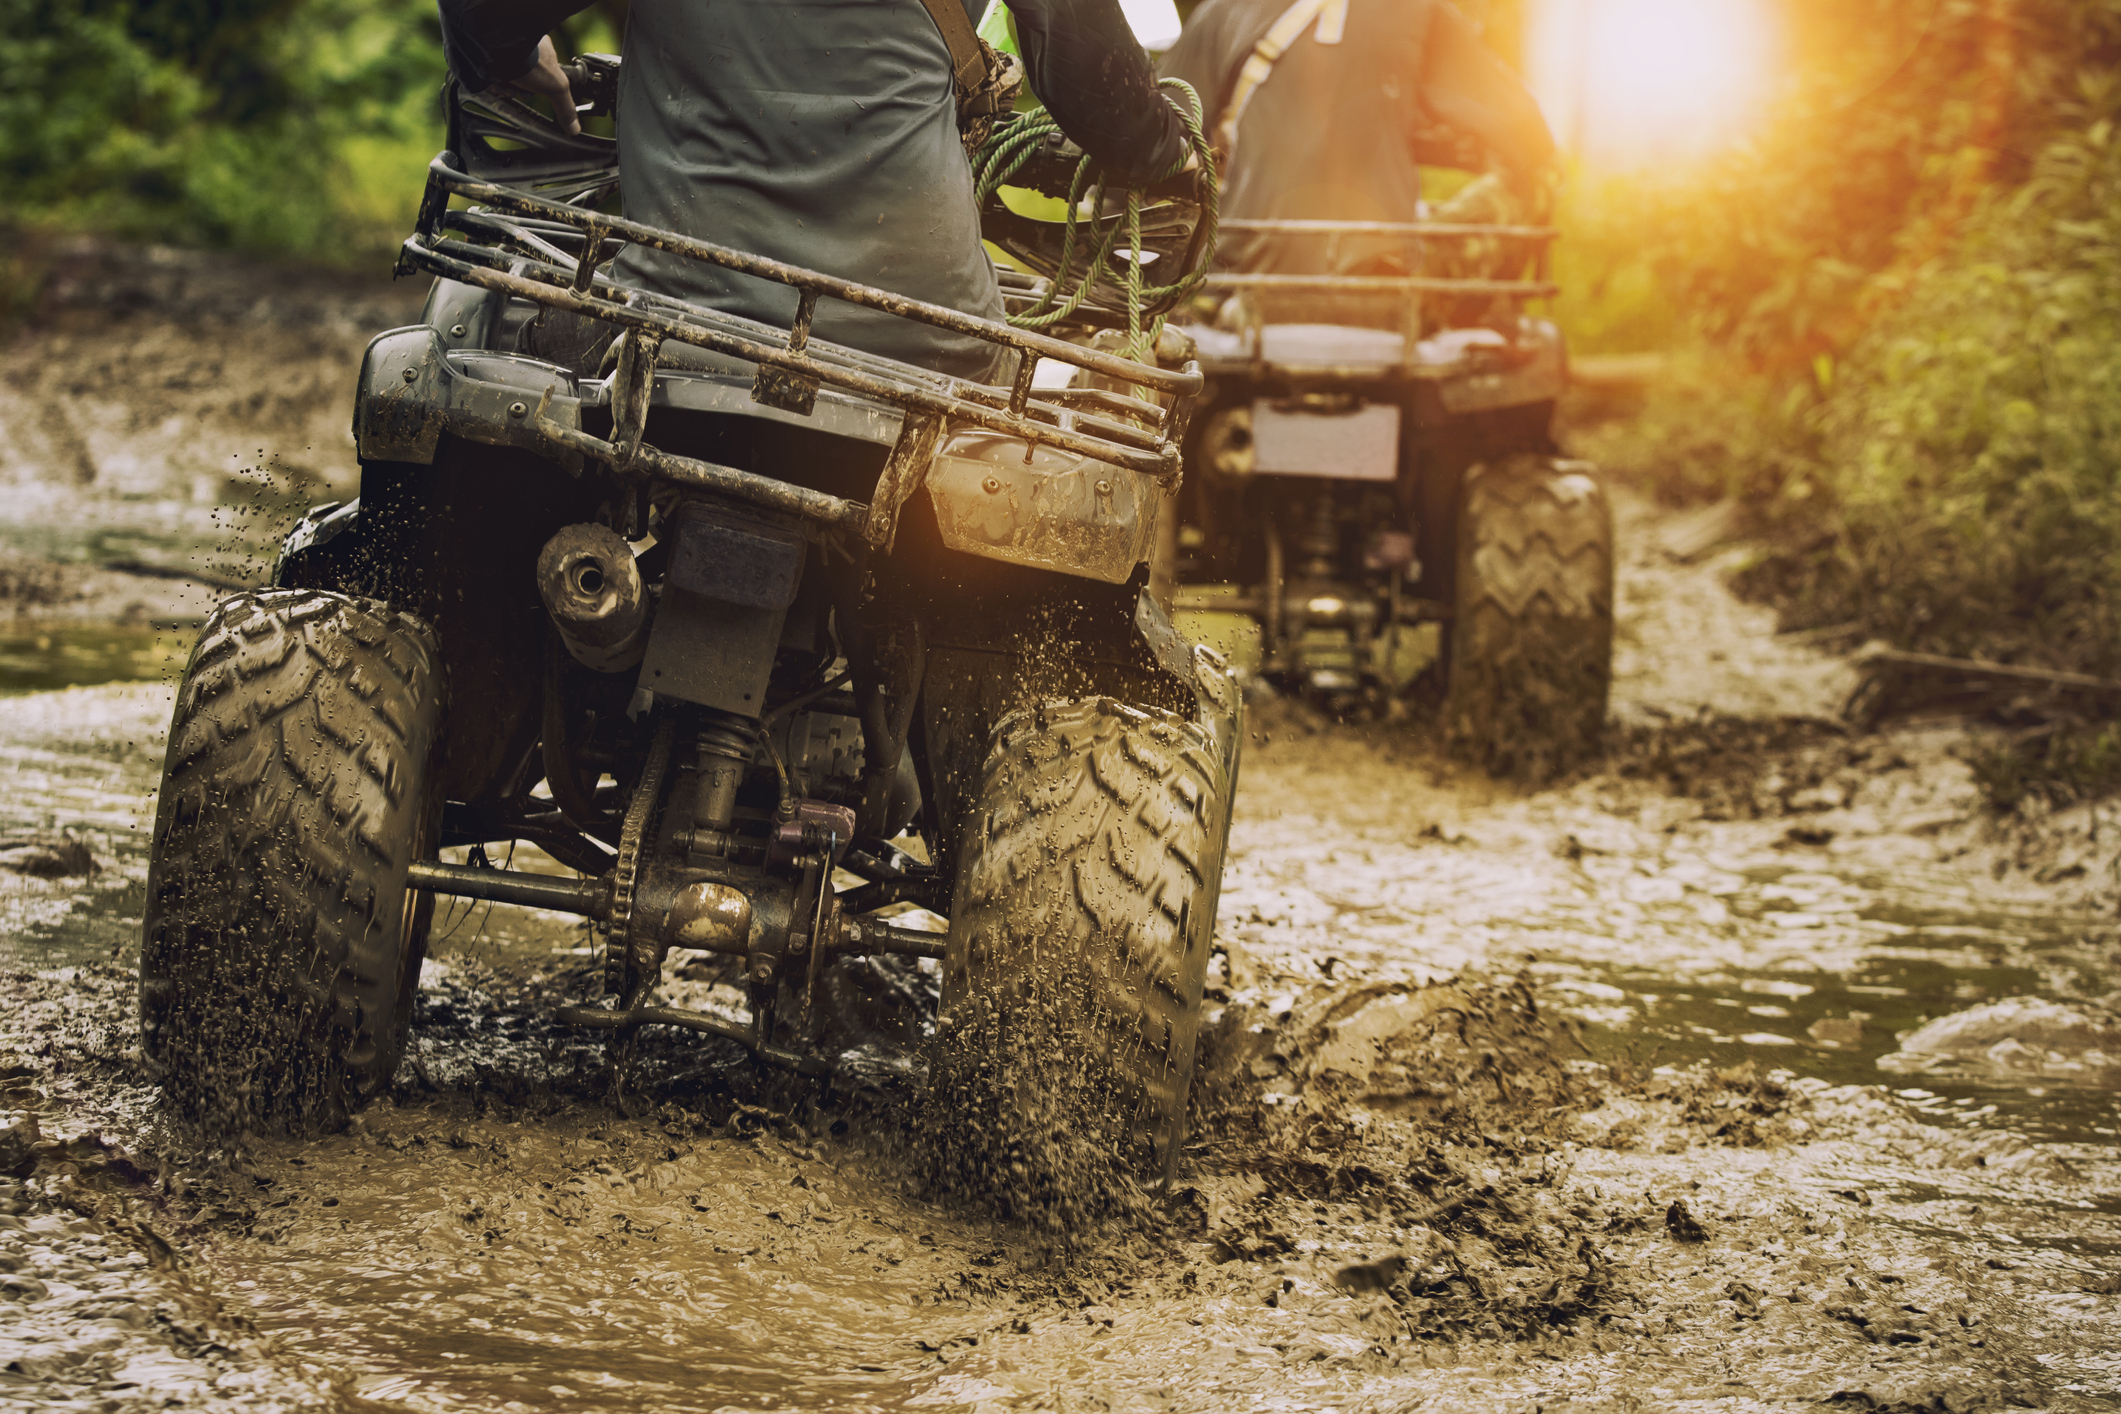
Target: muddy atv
(1387,504)
(760,640)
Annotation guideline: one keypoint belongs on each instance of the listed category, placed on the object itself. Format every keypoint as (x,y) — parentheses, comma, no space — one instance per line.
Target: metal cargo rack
(551,253)
(1530,244)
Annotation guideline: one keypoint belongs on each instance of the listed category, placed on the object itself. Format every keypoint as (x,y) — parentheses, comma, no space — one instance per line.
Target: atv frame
(512,245)
(874,598)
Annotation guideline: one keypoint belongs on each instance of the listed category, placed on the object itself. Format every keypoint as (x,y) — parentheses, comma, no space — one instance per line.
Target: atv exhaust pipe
(593,591)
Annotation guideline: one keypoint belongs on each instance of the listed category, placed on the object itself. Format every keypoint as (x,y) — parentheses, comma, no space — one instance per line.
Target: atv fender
(414,388)
(1042,507)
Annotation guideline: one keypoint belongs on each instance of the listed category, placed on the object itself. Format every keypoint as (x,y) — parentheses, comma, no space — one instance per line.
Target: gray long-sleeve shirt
(824,133)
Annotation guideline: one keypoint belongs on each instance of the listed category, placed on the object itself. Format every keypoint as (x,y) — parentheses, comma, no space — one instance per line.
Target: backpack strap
(986,81)
(968,57)
(1332,17)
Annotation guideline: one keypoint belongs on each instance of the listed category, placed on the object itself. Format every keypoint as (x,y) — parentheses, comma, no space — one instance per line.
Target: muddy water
(498,1237)
(87,762)
(1806,941)
(1735,949)
(46,658)
(556,1263)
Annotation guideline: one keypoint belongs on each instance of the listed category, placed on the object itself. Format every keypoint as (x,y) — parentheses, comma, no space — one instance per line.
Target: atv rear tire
(1532,640)
(281,947)
(1078,945)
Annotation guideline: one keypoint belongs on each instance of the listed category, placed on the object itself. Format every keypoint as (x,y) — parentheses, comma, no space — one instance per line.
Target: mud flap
(1220,706)
(325,539)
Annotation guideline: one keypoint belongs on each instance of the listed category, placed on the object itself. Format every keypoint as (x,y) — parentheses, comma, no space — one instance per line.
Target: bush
(214,124)
(1973,438)
(1906,318)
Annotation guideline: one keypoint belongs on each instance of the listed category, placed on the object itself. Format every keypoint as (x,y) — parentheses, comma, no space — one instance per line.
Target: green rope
(1012,144)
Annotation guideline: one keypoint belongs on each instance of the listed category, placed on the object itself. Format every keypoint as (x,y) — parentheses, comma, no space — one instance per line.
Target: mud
(2028,1037)
(167,411)
(1510,1100)
(1758,1066)
(1453,1216)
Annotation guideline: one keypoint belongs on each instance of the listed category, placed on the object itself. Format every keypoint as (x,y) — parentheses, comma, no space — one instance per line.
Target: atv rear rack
(1538,237)
(516,243)
(1373,284)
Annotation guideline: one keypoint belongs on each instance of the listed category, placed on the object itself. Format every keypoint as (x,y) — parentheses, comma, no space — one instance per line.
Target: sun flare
(1631,81)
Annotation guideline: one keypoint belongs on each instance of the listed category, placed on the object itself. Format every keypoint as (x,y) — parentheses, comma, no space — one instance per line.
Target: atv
(1382,500)
(759,639)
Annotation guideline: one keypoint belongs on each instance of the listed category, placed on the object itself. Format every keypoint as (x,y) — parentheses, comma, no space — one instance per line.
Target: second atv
(1367,489)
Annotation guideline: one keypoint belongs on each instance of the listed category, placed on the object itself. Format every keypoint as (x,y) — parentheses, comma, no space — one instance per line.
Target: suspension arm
(590,898)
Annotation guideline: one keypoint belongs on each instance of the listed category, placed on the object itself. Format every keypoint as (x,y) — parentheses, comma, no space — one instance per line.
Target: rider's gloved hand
(548,80)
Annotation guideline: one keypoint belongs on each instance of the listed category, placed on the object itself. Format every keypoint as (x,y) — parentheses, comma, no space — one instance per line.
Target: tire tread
(1097,827)
(1532,643)
(276,961)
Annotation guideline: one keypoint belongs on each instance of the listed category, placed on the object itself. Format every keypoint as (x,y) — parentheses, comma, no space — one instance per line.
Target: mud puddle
(79,765)
(1454,1218)
(1678,929)
(48,658)
(552,1263)
(1369,1218)
(1568,1099)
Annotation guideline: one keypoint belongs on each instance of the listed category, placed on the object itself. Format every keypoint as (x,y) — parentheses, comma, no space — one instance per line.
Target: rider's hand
(1183,183)
(548,80)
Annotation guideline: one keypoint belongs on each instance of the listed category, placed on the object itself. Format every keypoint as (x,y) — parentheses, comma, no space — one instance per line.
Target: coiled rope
(1011,145)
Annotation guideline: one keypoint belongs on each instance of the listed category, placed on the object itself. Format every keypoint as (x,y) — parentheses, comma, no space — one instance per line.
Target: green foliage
(1906,313)
(1617,294)
(2060,765)
(213,122)
(298,127)
(1973,436)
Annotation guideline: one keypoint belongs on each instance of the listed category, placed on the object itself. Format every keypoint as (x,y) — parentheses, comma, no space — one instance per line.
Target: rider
(1327,108)
(825,134)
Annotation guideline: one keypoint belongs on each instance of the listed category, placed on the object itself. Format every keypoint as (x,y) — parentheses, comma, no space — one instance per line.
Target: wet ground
(167,413)
(1570,1097)
(1591,1097)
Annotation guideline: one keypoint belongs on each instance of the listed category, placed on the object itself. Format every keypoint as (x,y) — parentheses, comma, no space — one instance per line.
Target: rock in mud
(1423,1250)
(1682,1224)
(2018,1035)
(18,1145)
(48,857)
(1836,1031)
(1363,1278)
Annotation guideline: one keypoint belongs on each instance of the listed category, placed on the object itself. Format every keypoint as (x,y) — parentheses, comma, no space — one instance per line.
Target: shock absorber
(724,745)
(1321,542)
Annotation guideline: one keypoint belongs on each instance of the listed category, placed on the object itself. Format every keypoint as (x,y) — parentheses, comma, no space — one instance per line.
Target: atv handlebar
(595,81)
